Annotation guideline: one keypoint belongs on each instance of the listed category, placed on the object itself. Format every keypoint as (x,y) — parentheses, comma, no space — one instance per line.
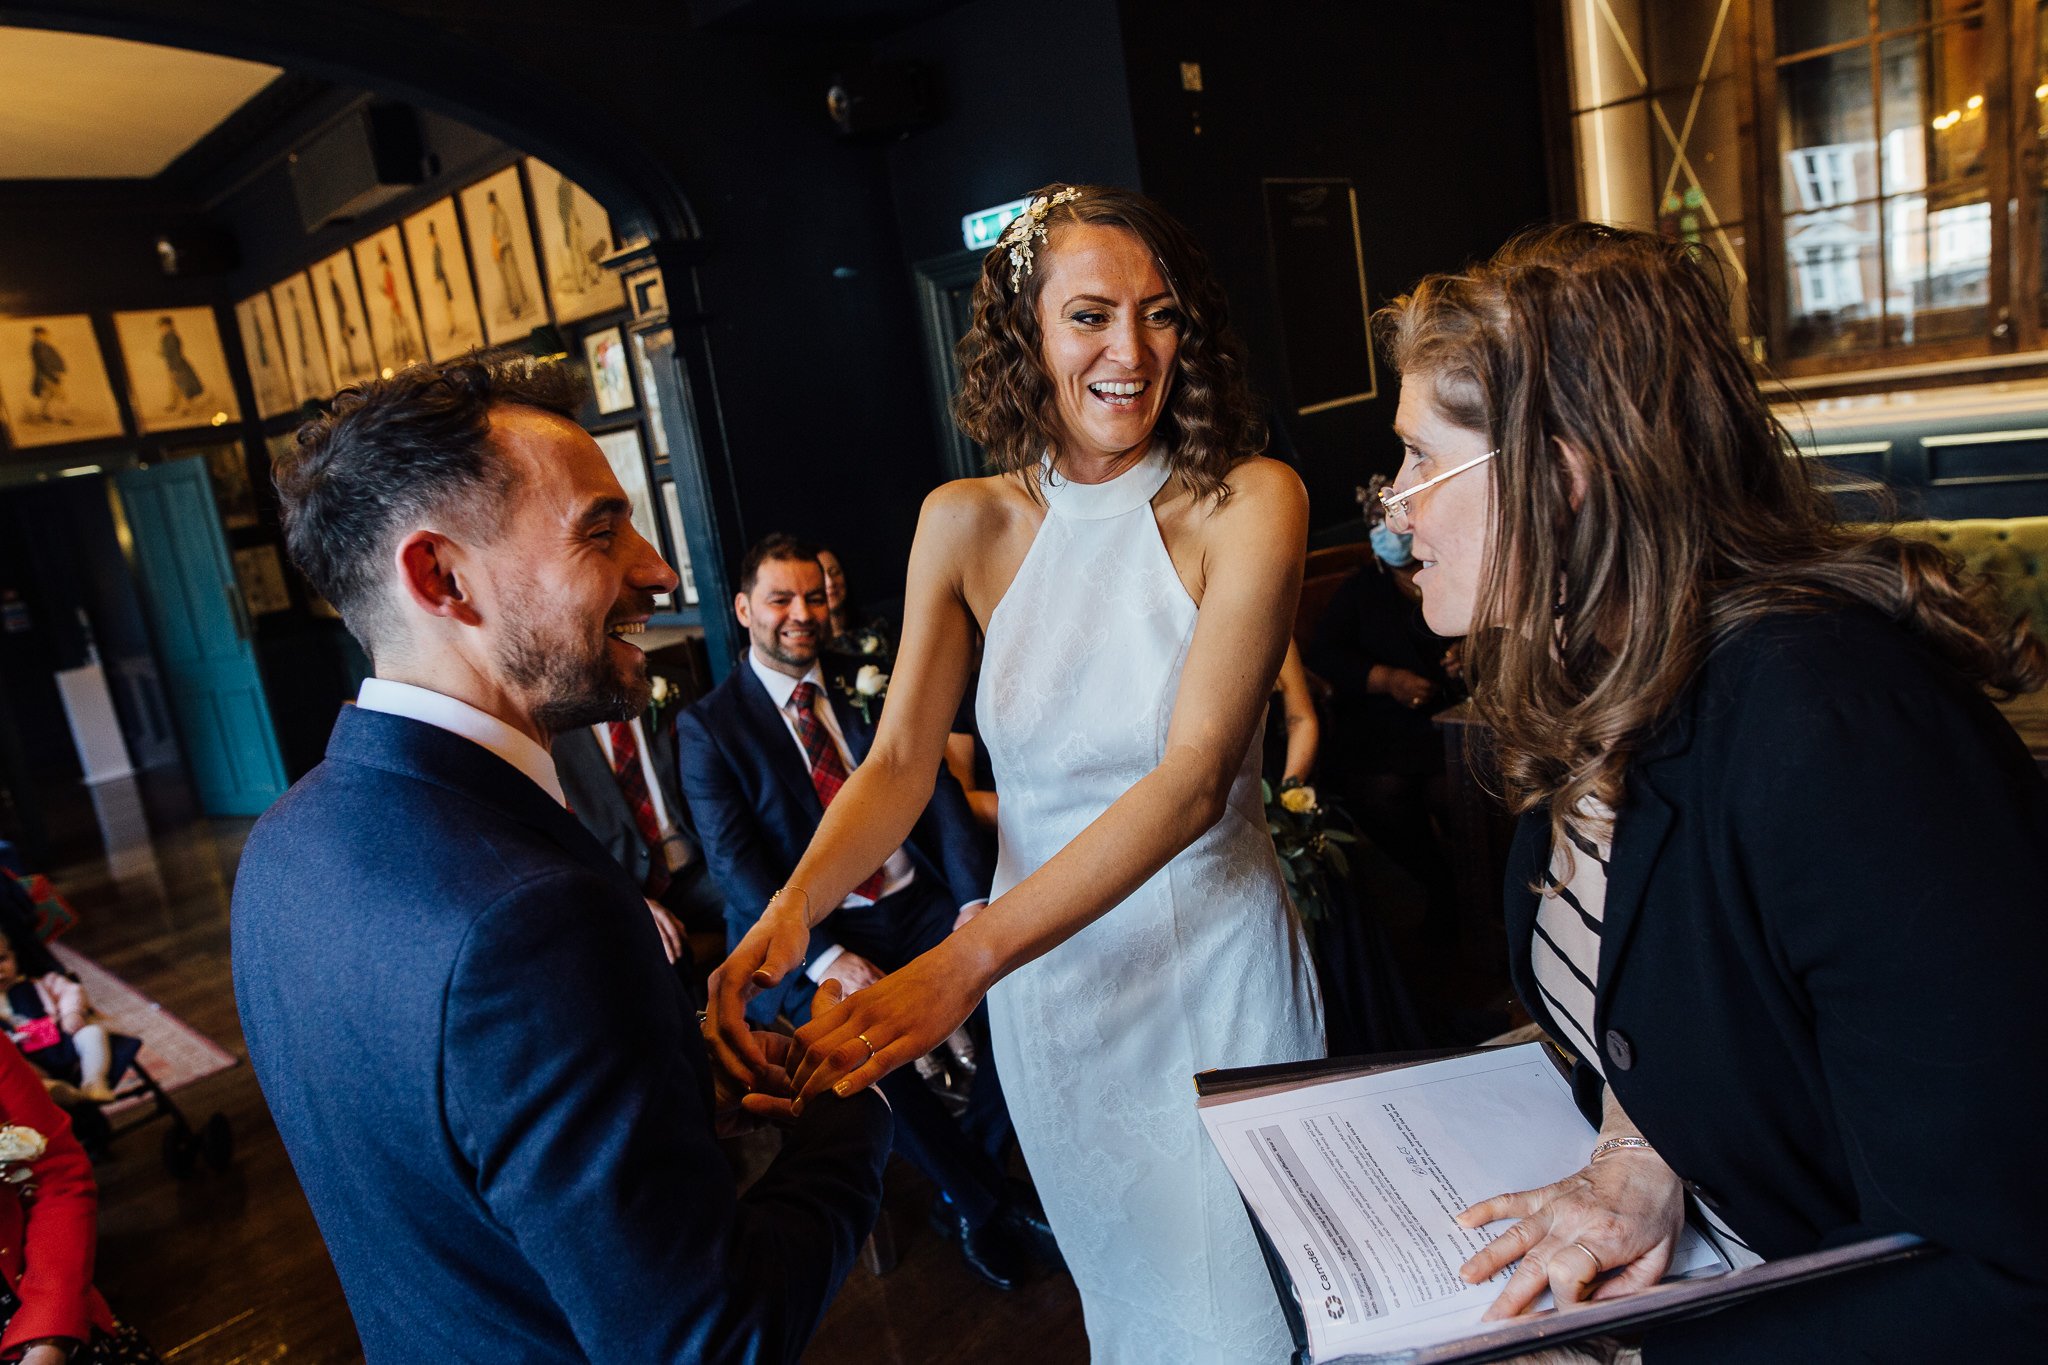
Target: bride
(1133,568)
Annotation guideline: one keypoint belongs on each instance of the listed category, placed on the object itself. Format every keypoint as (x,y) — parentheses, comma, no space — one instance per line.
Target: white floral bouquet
(20,1149)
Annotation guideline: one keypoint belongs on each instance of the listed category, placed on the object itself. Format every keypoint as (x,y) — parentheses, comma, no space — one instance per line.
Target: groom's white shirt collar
(444,712)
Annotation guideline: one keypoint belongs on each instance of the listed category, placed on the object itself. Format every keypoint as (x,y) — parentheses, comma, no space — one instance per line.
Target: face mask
(1391,547)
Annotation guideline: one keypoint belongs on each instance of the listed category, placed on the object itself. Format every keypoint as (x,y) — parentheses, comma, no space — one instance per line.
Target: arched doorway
(513,72)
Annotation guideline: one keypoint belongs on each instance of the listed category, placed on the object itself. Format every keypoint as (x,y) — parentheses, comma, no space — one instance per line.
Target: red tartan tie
(633,786)
(828,770)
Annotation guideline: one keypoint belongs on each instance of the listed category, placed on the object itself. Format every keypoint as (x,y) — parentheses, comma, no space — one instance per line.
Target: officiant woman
(1779,877)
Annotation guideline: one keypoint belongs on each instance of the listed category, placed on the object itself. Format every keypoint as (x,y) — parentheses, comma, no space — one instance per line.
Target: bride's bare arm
(1252,548)
(873,814)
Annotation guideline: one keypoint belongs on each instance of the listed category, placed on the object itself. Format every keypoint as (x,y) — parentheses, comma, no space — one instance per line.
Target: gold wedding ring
(871,1056)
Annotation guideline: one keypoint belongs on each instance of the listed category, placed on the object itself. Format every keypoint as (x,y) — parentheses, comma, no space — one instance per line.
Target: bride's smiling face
(1111,335)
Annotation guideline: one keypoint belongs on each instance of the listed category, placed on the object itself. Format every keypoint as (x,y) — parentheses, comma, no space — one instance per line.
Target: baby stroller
(27,920)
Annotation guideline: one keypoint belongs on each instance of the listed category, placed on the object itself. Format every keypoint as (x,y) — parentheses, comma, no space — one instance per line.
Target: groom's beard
(573,674)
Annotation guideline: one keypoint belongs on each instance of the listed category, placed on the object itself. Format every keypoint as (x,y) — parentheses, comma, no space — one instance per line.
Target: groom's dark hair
(393,453)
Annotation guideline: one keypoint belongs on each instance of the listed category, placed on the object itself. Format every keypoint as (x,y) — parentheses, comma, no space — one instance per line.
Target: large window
(1842,157)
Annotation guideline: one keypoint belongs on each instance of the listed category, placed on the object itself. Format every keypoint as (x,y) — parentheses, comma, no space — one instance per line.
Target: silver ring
(1589,1256)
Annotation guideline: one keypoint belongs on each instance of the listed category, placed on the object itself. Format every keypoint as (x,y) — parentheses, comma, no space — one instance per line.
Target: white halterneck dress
(1203,966)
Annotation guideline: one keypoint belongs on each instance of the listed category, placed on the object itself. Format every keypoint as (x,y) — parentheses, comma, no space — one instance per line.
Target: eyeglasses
(1396,504)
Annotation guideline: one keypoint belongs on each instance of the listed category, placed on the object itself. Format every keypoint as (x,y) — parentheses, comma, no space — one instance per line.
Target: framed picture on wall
(298,331)
(628,459)
(53,382)
(342,322)
(269,372)
(575,234)
(606,352)
(448,311)
(177,371)
(654,346)
(387,292)
(679,552)
(508,284)
(227,469)
(260,573)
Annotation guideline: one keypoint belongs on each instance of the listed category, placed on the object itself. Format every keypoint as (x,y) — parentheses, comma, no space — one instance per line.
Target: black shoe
(991,1251)
(1026,1219)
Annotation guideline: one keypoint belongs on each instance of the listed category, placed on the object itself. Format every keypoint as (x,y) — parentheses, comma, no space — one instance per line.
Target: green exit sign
(981,229)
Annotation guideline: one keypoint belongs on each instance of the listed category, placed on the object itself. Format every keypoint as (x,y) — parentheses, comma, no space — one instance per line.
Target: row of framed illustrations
(459,274)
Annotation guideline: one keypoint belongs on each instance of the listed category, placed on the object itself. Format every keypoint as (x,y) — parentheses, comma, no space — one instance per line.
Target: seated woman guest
(1389,675)
(1779,876)
(51,1312)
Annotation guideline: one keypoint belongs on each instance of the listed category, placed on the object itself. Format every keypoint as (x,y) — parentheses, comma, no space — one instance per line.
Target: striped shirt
(1566,959)
(1566,953)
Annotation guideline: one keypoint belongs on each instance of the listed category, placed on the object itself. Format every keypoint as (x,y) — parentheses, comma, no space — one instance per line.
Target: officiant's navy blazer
(750,791)
(491,1089)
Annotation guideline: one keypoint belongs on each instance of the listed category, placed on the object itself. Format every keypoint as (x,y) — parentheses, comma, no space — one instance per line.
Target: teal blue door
(202,637)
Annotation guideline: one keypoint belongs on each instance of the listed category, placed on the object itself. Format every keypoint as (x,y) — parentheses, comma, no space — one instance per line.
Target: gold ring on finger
(1591,1257)
(871,1054)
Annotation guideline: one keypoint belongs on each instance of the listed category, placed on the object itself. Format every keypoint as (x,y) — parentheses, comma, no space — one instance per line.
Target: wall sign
(1318,260)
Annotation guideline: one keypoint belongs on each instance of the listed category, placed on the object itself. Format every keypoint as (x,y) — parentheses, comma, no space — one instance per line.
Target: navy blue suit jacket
(490,1086)
(750,790)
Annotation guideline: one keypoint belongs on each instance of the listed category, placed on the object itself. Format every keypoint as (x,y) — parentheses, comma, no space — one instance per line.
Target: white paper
(1357,1182)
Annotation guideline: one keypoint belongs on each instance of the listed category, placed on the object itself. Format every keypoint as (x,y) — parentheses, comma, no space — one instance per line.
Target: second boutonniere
(865,691)
(660,693)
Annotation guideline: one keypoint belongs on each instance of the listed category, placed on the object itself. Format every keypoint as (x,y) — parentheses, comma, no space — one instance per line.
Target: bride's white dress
(1203,966)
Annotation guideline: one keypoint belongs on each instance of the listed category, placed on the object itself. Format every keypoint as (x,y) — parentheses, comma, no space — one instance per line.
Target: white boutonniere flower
(870,686)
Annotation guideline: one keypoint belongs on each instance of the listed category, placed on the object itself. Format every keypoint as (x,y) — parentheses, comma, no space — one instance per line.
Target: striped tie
(828,770)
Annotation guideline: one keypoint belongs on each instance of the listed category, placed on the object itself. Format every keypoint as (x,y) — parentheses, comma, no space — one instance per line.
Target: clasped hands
(851,1041)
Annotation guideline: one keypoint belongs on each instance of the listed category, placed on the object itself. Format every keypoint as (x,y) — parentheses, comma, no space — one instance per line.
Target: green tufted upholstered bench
(2013,554)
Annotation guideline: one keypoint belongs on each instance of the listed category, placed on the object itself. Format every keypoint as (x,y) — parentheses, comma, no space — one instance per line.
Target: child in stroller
(49,1017)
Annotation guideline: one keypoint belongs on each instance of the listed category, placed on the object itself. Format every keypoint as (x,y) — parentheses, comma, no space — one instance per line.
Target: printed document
(1357,1182)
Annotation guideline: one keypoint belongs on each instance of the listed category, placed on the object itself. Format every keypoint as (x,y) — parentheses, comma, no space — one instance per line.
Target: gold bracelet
(1616,1144)
(780,892)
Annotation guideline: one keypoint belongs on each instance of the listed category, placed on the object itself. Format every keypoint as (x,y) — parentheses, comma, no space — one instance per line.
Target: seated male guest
(760,757)
(619,778)
(506,1123)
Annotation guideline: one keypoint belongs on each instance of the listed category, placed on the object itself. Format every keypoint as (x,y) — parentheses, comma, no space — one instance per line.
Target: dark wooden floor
(229,1268)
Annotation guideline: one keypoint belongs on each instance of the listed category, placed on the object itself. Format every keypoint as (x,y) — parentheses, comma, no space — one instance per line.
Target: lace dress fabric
(1203,966)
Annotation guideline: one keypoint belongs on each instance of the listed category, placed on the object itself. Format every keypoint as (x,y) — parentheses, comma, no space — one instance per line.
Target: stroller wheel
(217,1142)
(181,1151)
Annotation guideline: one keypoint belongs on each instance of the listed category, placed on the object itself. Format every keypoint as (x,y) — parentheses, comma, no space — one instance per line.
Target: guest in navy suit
(505,1124)
(619,778)
(759,757)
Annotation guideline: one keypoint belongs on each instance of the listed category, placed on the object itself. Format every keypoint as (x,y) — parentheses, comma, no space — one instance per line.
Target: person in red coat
(48,1209)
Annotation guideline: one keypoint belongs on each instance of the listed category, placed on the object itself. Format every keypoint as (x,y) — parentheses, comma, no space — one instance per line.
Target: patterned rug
(175,1053)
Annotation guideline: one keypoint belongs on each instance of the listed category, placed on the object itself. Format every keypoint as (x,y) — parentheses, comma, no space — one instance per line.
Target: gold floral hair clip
(1029,228)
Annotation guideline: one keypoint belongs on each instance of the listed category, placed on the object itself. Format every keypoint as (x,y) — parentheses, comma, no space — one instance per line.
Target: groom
(487,1078)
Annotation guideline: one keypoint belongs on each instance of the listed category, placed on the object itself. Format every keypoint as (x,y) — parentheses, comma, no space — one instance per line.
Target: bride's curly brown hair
(1209,421)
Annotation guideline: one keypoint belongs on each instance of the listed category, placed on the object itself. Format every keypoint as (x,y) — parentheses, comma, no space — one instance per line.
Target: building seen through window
(1841,157)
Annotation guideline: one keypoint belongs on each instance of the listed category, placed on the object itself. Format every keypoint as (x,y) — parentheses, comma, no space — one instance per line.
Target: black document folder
(1668,1302)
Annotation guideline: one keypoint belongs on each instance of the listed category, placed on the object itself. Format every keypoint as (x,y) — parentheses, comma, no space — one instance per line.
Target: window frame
(2013,164)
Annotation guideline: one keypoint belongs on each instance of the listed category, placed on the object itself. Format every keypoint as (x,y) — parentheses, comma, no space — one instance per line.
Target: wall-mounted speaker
(373,155)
